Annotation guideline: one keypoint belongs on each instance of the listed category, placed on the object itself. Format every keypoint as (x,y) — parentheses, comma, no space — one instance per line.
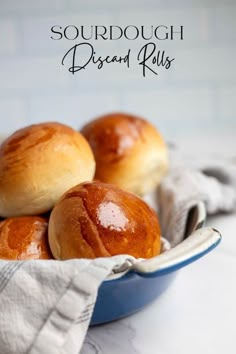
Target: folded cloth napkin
(46,306)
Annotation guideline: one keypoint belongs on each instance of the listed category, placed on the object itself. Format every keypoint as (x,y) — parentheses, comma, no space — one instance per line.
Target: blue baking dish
(138,287)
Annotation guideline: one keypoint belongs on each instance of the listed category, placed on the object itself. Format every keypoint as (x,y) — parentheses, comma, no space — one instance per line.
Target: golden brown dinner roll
(24,238)
(128,150)
(96,219)
(38,164)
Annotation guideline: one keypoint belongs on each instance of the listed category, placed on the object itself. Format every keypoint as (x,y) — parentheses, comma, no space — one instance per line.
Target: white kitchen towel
(46,306)
(183,188)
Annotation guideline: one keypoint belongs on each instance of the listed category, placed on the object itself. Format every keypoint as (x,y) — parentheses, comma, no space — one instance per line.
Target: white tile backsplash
(75,109)
(195,96)
(8,36)
(31,7)
(172,111)
(13,113)
(29,75)
(187,103)
(222,24)
(227,103)
(214,66)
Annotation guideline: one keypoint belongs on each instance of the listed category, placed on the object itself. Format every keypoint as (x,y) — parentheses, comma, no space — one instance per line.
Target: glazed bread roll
(24,238)
(96,219)
(38,164)
(129,152)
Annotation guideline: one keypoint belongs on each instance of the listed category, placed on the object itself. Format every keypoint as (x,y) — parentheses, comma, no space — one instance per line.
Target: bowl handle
(193,247)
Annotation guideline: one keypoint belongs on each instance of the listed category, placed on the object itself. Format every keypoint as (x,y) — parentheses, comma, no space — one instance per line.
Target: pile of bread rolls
(67,194)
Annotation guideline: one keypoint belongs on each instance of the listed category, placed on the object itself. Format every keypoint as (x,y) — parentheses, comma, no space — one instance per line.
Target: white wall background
(196,96)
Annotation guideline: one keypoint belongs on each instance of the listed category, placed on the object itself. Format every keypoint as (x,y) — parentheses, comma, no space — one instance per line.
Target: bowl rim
(199,242)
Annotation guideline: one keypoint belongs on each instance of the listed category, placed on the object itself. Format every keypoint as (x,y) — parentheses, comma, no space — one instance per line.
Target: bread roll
(129,152)
(38,164)
(24,238)
(99,220)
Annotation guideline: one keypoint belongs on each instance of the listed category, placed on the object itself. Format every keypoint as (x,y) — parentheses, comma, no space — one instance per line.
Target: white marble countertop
(197,313)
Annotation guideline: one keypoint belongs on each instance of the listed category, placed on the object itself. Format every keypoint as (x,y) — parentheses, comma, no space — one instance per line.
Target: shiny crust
(128,150)
(38,164)
(100,220)
(24,238)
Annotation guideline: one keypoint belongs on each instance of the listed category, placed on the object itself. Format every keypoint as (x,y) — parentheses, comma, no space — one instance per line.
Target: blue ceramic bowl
(133,290)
